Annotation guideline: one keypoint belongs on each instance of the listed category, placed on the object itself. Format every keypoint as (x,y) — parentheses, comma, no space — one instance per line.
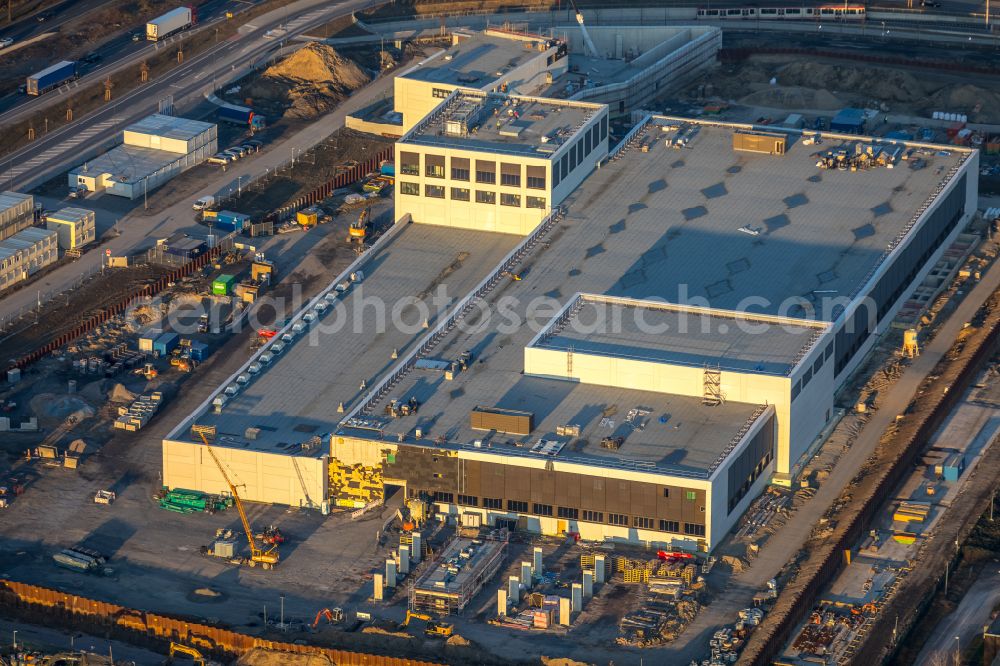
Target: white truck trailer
(173,21)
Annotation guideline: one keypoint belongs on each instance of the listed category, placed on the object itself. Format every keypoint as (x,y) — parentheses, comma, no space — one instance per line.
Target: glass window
(604,128)
(468,500)
(535,202)
(517,507)
(434,191)
(447,498)
(409,163)
(569,512)
(492,503)
(593,516)
(460,168)
(691,495)
(510,174)
(694,530)
(541,509)
(510,200)
(409,188)
(641,523)
(536,178)
(579,151)
(586,141)
(564,162)
(669,526)
(486,172)
(618,519)
(459,194)
(486,197)
(434,166)
(440,93)
(572,159)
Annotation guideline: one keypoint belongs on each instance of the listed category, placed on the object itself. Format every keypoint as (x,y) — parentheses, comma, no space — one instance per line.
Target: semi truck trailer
(240,115)
(51,77)
(173,21)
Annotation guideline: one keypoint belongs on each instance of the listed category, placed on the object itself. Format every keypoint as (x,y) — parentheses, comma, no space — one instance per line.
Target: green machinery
(180,500)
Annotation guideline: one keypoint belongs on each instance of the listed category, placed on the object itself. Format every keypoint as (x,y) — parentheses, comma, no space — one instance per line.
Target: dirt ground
(62,314)
(313,168)
(789,82)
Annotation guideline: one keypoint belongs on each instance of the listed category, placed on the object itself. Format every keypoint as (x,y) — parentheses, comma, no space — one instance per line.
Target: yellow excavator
(359,228)
(177,648)
(433,628)
(267,559)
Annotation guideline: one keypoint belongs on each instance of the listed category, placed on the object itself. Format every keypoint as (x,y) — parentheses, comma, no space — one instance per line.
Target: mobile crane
(267,559)
(587,41)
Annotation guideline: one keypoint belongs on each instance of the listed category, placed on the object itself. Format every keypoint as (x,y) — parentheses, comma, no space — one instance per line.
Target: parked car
(220,158)
(256,143)
(239,150)
(235,154)
(5,42)
(138,36)
(249,148)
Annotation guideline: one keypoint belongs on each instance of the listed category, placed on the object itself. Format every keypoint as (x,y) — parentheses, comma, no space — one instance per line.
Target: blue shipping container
(165,344)
(387,169)
(227,220)
(50,77)
(199,351)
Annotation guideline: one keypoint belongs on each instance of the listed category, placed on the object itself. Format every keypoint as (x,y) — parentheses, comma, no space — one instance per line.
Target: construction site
(470,475)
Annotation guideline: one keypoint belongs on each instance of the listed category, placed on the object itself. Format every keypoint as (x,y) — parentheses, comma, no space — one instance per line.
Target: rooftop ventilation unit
(460,120)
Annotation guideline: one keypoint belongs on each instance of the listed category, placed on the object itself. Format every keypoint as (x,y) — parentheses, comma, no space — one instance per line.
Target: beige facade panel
(271,478)
(76,227)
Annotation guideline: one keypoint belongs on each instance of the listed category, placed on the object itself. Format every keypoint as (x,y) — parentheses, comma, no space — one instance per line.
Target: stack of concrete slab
(138,414)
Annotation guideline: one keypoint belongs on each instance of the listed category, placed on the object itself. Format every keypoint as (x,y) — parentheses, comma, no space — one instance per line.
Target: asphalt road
(34,637)
(69,145)
(972,614)
(117,52)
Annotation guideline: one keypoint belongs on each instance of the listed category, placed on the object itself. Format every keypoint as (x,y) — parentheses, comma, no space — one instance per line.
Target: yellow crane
(265,558)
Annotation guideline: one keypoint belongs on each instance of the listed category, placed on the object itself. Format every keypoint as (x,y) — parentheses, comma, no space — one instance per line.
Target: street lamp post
(15,639)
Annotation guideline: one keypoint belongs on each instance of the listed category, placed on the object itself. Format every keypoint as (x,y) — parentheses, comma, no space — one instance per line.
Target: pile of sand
(120,394)
(883,84)
(980,104)
(793,97)
(262,657)
(308,83)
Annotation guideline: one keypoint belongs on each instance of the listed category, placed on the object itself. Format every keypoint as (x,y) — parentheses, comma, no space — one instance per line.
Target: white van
(204,202)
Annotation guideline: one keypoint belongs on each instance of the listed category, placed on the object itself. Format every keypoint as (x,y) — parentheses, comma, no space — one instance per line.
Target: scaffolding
(459,573)
(712,395)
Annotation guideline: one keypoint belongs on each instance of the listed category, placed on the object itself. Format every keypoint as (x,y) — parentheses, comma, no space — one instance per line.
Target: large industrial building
(637,366)
(152,151)
(497,162)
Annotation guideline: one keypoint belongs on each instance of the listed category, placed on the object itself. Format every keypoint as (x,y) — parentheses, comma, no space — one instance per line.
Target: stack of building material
(912,512)
(138,414)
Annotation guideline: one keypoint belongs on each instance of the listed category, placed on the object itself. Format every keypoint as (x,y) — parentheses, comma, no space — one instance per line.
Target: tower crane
(265,558)
(588,43)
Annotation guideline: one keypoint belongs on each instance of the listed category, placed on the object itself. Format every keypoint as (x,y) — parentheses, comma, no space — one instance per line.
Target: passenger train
(835,12)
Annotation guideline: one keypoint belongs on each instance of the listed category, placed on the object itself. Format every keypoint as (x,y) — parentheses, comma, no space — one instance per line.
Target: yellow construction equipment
(265,558)
(177,648)
(433,628)
(147,371)
(359,228)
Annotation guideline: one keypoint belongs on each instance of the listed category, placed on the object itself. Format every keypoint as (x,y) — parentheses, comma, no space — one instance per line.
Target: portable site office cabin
(165,344)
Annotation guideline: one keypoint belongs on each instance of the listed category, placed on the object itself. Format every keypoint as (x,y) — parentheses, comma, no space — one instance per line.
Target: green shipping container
(223,285)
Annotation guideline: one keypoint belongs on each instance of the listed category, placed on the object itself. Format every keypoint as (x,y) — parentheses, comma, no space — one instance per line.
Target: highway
(71,144)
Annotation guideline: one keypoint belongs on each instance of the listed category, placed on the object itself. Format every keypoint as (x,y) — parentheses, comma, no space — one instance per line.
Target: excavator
(442,629)
(196,656)
(332,616)
(267,559)
(359,228)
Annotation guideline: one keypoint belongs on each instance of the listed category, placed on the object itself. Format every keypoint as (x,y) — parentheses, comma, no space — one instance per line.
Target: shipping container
(165,343)
(507,421)
(387,168)
(227,220)
(223,285)
(147,339)
(199,351)
(171,22)
(767,143)
(50,77)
